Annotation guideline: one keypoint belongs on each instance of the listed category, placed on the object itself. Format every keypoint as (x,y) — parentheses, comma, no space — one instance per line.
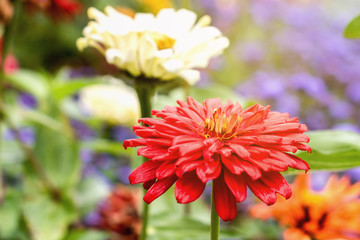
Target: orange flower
(332,213)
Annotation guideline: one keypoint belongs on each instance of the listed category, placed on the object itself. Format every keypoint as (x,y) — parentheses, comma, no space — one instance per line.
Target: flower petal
(188,188)
(145,172)
(277,182)
(262,191)
(237,185)
(225,202)
(158,188)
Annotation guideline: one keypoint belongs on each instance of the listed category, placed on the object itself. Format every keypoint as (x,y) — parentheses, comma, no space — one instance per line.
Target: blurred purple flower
(123,174)
(92,219)
(288,103)
(354,174)
(264,11)
(82,72)
(27,101)
(27,135)
(121,133)
(205,79)
(263,85)
(341,109)
(313,86)
(317,120)
(81,130)
(347,127)
(353,91)
(250,52)
(319,179)
(223,12)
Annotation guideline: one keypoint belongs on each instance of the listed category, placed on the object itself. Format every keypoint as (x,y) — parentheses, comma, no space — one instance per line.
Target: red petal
(225,202)
(300,164)
(255,118)
(134,143)
(158,188)
(212,164)
(159,142)
(188,167)
(237,185)
(185,139)
(201,173)
(166,169)
(239,150)
(187,149)
(148,184)
(188,188)
(145,172)
(262,191)
(233,164)
(277,182)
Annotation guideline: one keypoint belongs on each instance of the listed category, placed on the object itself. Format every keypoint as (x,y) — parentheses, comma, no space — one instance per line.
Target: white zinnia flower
(165,46)
(115,103)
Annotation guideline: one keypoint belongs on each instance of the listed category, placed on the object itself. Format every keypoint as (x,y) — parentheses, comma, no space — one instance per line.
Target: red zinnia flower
(193,143)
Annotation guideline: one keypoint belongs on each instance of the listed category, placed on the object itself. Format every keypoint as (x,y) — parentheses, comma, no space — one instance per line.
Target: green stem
(145,89)
(215,220)
(6,44)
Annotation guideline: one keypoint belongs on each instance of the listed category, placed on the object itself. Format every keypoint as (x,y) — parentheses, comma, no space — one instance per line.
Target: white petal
(190,76)
(145,22)
(173,65)
(115,57)
(147,49)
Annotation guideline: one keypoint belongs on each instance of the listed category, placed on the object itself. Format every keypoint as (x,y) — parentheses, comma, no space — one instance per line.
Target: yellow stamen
(162,41)
(222,126)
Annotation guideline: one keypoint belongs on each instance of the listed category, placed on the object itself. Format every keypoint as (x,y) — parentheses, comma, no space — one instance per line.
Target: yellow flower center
(222,126)
(162,41)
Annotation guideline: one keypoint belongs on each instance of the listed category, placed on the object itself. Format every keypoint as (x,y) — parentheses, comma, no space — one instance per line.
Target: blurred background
(65,111)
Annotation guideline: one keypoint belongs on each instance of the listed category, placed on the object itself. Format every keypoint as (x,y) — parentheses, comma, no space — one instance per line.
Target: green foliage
(10,214)
(47,219)
(353,29)
(87,235)
(30,81)
(333,150)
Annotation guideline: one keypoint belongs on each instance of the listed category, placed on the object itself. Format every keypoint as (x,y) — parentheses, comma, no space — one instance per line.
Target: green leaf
(30,81)
(11,153)
(353,29)
(9,213)
(103,145)
(41,118)
(64,89)
(90,192)
(333,150)
(87,235)
(46,219)
(58,156)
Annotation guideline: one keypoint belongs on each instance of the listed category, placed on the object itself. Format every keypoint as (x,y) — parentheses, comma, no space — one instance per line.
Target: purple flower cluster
(303,63)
